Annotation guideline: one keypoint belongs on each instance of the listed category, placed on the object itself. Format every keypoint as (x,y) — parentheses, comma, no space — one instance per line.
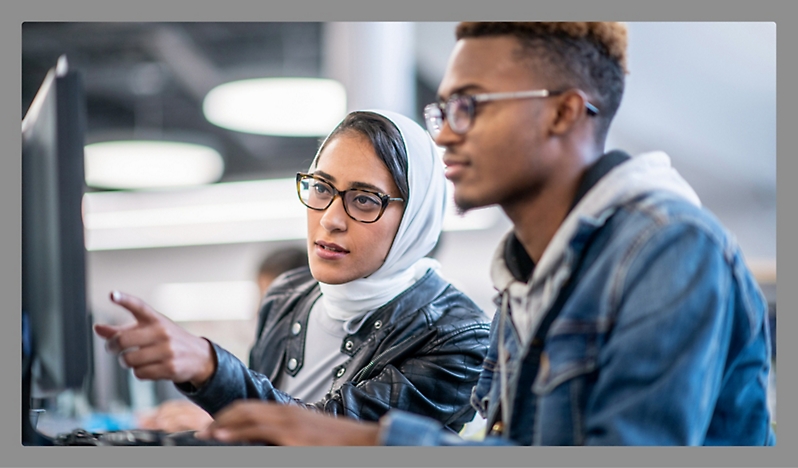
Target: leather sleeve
(234,381)
(434,381)
(432,377)
(427,364)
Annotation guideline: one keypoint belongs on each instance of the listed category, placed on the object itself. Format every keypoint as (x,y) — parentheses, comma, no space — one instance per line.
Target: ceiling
(703,92)
(149,79)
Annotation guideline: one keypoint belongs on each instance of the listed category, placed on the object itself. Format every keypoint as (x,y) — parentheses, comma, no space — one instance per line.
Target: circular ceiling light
(277,106)
(150,164)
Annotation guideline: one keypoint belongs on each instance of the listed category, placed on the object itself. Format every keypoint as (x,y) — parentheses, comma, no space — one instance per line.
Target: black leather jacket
(422,352)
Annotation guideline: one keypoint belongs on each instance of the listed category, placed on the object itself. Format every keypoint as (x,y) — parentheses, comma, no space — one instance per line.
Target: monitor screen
(55,339)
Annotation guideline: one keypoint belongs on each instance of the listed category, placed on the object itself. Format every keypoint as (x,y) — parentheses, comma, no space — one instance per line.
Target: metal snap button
(340,372)
(349,345)
(377,324)
(497,428)
(296,328)
(292,364)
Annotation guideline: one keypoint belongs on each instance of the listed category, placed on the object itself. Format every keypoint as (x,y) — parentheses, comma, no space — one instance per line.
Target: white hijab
(417,234)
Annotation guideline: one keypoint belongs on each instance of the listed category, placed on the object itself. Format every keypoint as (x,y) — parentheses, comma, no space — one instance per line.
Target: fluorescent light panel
(277,106)
(150,164)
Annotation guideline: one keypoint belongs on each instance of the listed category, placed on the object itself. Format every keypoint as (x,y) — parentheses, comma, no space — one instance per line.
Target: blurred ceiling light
(277,106)
(229,212)
(150,164)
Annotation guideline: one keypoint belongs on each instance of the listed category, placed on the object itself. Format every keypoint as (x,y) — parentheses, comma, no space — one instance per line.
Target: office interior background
(190,245)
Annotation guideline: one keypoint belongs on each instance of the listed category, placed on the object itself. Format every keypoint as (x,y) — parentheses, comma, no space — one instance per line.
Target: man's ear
(570,110)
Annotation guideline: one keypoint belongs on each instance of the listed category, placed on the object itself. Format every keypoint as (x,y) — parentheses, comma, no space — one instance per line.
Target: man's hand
(257,421)
(176,416)
(157,348)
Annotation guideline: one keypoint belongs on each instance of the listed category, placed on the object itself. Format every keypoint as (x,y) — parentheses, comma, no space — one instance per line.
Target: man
(627,314)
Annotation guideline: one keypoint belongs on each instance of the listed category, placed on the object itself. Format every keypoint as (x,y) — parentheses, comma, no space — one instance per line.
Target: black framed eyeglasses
(361,205)
(458,110)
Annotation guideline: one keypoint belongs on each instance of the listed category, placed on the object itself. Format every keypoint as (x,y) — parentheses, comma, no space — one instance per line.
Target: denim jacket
(660,339)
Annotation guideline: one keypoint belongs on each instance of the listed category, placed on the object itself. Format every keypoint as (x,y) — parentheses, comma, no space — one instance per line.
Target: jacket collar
(518,263)
(414,298)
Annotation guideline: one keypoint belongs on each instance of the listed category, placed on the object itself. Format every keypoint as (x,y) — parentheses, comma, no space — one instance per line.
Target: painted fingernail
(121,359)
(112,345)
(116,296)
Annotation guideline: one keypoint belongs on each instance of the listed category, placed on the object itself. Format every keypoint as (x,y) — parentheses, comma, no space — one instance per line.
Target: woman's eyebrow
(356,185)
(324,174)
(367,186)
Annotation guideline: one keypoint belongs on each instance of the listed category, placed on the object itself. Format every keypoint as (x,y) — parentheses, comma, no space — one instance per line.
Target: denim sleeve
(662,366)
(402,428)
(479,394)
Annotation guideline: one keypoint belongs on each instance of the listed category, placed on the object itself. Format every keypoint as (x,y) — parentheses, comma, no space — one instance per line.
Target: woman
(371,325)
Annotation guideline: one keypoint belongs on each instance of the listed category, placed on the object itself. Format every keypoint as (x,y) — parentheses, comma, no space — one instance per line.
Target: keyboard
(139,437)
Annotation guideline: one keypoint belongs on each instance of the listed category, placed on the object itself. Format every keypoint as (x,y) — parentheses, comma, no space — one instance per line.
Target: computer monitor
(56,347)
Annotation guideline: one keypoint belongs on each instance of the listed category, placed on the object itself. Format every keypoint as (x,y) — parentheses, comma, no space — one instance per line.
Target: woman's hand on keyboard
(176,416)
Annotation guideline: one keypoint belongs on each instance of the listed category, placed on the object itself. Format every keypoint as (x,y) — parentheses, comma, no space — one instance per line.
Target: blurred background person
(277,263)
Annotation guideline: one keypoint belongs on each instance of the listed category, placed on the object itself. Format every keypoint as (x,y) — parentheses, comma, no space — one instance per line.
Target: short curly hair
(587,55)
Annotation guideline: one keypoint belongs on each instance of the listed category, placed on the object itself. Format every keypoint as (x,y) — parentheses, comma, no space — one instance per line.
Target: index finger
(142,312)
